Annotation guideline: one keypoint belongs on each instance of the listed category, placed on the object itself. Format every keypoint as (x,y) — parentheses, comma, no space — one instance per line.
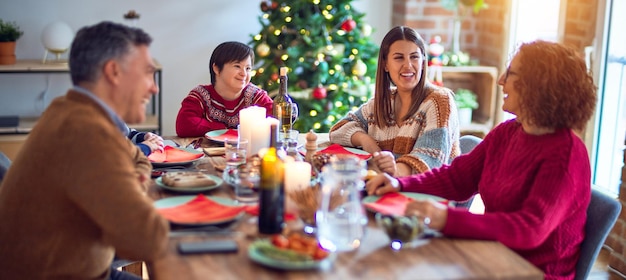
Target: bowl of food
(403,231)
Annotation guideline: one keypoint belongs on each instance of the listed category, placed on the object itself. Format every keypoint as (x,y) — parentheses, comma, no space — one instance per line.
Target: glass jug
(341,219)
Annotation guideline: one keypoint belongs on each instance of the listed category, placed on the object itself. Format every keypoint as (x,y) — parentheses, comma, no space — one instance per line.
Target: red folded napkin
(254,211)
(201,210)
(390,204)
(171,154)
(393,204)
(229,134)
(338,149)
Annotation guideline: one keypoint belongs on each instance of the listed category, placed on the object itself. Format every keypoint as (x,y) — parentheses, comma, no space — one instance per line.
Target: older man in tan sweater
(75,195)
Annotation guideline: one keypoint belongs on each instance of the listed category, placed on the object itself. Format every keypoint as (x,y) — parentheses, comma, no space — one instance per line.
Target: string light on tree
(263,50)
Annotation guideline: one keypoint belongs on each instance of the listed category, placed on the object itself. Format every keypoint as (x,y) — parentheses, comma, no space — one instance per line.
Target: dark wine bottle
(272,190)
(283,105)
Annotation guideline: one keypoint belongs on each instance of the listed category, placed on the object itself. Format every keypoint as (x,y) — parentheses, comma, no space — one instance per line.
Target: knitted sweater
(427,140)
(535,189)
(204,110)
(73,198)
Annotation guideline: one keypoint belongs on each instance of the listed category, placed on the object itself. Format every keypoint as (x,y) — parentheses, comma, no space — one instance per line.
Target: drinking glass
(236,151)
(341,220)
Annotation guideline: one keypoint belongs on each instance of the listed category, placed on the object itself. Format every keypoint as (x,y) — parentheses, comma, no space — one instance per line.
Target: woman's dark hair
(382,96)
(228,52)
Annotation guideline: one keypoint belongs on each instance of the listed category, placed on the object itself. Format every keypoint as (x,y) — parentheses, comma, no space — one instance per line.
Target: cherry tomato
(280,241)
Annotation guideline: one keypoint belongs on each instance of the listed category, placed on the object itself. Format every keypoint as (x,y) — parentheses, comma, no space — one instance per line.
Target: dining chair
(602,213)
(5,162)
(467,144)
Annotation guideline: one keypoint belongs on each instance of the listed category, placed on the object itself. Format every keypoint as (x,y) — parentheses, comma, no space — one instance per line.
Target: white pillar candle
(248,120)
(260,136)
(297,175)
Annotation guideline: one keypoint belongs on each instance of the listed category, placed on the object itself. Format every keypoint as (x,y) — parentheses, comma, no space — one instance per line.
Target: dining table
(429,258)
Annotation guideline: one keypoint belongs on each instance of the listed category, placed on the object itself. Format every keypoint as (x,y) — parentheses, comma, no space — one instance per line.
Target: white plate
(175,163)
(218,182)
(215,135)
(260,258)
(180,200)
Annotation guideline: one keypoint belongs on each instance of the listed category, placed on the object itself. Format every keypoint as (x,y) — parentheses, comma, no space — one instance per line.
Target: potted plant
(466,102)
(9,33)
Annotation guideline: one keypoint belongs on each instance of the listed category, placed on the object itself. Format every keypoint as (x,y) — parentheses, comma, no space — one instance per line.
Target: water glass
(236,151)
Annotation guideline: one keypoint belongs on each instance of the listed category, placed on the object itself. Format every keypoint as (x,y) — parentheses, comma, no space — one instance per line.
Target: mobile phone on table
(207,246)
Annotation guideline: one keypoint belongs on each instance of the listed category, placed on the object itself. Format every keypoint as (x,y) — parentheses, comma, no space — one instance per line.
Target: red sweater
(204,110)
(536,190)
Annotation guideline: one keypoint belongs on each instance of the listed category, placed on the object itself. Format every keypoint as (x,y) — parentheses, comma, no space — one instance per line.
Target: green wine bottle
(283,105)
(272,189)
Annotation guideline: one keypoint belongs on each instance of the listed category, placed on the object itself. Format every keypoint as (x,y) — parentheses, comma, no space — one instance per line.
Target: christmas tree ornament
(263,50)
(264,6)
(348,25)
(435,61)
(274,5)
(302,84)
(274,77)
(359,68)
(319,92)
(366,29)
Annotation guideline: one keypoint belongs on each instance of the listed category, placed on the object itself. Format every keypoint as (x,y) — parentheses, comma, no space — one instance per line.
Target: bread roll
(187,180)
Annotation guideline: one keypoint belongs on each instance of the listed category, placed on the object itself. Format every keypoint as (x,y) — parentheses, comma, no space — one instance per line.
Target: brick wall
(482,34)
(580,23)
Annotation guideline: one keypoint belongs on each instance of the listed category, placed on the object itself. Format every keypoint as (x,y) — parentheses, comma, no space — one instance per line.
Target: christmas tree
(330,56)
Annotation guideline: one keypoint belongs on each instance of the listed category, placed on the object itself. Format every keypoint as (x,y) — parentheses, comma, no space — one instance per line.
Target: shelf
(26,125)
(482,81)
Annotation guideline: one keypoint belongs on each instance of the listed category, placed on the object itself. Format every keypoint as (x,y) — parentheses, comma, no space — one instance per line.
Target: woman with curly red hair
(532,172)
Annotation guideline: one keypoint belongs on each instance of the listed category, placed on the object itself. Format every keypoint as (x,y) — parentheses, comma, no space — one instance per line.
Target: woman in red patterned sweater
(216,106)
(532,172)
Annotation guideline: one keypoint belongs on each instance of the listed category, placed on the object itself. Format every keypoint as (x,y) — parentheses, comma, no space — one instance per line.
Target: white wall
(184,32)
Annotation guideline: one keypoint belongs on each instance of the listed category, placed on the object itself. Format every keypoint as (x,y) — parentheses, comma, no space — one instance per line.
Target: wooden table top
(435,258)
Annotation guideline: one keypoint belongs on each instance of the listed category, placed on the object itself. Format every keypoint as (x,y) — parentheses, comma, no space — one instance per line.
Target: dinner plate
(180,200)
(217,135)
(218,182)
(259,257)
(415,196)
(175,163)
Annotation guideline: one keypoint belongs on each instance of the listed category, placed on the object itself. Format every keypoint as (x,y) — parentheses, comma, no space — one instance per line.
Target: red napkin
(393,204)
(390,204)
(171,154)
(201,210)
(338,149)
(254,211)
(229,134)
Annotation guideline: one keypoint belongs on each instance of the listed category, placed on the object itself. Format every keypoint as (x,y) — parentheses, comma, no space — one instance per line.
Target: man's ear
(111,71)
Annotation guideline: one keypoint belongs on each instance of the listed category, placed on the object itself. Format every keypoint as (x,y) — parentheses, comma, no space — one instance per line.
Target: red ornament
(264,6)
(319,93)
(274,77)
(274,5)
(348,25)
